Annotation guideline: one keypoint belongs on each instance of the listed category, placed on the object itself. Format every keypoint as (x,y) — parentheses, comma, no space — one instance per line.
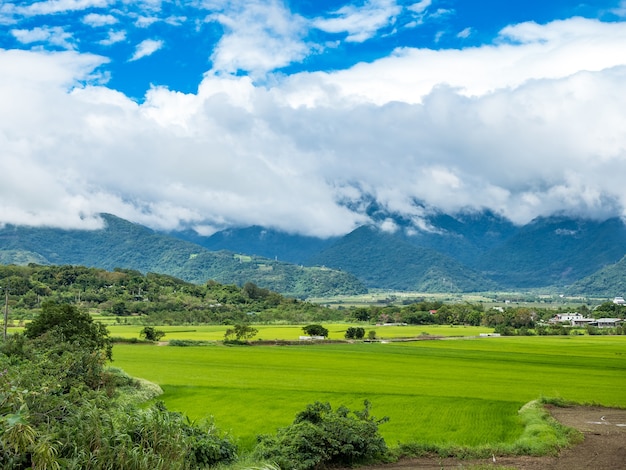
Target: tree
(355,333)
(70,325)
(240,332)
(315,330)
(119,308)
(149,333)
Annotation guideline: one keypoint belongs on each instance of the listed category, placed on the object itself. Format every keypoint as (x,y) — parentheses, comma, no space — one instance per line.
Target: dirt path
(604,446)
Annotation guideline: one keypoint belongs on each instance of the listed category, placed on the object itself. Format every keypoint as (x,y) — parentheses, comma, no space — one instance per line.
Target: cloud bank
(529,125)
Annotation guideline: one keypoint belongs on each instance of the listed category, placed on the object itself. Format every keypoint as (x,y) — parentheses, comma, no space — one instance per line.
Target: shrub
(240,333)
(149,333)
(321,436)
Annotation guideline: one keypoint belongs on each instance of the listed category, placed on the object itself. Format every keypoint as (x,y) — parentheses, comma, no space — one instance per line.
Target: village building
(607,322)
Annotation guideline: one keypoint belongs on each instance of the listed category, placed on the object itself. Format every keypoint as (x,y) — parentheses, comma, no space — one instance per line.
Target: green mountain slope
(555,251)
(384,260)
(609,281)
(126,245)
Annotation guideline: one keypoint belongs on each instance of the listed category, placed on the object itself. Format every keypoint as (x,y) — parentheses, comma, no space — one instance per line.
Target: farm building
(575,319)
(607,322)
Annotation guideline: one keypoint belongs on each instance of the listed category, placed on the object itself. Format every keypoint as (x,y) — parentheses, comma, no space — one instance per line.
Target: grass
(444,393)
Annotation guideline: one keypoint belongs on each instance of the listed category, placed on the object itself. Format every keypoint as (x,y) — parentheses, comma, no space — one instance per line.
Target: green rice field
(456,391)
(293,332)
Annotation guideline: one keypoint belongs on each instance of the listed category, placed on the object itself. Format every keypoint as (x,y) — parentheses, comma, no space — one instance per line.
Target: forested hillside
(608,281)
(157,298)
(122,244)
(382,259)
(464,253)
(556,251)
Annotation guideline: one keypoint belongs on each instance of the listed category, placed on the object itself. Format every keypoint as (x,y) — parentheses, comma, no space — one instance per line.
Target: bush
(149,333)
(321,436)
(71,325)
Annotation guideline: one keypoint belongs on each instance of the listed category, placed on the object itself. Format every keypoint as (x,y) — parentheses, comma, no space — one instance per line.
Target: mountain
(122,244)
(609,281)
(260,241)
(464,237)
(473,251)
(385,260)
(555,251)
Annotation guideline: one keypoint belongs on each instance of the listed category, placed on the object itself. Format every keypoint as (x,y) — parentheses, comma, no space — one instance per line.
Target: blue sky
(212,114)
(173,44)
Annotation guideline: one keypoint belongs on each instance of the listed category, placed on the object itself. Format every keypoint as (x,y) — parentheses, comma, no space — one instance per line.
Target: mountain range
(461,253)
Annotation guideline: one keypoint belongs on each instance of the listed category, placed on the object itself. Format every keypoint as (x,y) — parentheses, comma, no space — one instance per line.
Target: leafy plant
(321,436)
(149,333)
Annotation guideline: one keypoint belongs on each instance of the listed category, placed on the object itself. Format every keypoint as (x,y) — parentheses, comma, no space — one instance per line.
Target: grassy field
(293,332)
(462,391)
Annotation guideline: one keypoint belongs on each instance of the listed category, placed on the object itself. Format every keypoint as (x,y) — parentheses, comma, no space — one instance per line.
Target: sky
(213,114)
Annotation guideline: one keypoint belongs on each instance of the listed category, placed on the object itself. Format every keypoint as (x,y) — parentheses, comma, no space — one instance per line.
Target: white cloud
(526,52)
(49,7)
(360,23)
(259,36)
(146,48)
(465,33)
(620,10)
(146,21)
(420,7)
(96,20)
(526,127)
(55,36)
(113,38)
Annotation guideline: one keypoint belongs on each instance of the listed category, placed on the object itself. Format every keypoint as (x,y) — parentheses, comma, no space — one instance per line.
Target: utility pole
(6,308)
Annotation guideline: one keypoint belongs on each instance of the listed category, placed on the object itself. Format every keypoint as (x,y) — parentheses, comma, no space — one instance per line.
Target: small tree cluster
(315,330)
(355,333)
(322,437)
(240,332)
(149,333)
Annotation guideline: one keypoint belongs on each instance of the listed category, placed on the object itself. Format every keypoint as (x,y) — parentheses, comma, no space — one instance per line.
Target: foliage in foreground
(321,437)
(61,408)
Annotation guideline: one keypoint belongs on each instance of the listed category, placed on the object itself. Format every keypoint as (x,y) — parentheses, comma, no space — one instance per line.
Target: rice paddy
(293,332)
(458,391)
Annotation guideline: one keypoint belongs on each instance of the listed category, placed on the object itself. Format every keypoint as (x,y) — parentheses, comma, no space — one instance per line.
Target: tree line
(157,299)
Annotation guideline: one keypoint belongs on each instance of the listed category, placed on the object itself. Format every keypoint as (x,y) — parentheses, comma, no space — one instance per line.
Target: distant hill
(555,251)
(610,281)
(385,260)
(259,241)
(122,244)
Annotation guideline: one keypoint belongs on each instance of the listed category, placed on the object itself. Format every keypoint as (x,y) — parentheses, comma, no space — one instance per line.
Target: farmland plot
(465,392)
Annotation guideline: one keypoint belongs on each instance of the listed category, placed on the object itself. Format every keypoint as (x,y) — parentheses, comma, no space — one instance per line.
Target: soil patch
(603,447)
